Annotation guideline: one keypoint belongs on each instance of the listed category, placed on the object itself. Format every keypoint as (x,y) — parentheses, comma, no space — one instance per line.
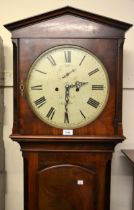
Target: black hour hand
(66,118)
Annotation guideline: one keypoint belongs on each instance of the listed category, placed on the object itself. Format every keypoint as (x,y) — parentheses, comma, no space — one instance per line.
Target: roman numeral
(82,60)
(82,114)
(52,61)
(51,113)
(68,56)
(93,72)
(40,71)
(93,102)
(66,118)
(97,87)
(40,102)
(37,87)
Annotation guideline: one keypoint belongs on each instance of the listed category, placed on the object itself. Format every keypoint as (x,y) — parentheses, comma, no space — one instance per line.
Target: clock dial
(67,87)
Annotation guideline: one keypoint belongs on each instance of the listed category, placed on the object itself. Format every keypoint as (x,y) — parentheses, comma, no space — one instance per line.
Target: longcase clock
(67,106)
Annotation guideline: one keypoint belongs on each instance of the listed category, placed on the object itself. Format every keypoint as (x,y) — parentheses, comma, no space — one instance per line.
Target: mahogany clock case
(67,172)
(102,36)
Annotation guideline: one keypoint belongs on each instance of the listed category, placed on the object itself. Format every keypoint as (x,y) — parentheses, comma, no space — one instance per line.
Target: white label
(68,132)
(80,182)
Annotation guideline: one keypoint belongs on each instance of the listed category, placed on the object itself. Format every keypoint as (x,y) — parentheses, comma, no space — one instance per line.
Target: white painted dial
(67,87)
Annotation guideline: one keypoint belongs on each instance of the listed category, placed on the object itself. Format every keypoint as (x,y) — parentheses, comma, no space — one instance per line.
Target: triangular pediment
(68,22)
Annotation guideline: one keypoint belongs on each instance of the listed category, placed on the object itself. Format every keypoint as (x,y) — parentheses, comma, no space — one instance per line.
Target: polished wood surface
(67,187)
(120,25)
(67,172)
(50,172)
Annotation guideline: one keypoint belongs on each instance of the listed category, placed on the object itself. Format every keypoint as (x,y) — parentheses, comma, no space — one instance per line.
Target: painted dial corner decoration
(67,87)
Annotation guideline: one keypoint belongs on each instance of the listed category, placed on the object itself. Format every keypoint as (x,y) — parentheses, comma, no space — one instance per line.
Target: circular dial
(67,87)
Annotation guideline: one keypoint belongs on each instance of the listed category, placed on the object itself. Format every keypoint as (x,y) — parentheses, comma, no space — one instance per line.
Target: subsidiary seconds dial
(67,87)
